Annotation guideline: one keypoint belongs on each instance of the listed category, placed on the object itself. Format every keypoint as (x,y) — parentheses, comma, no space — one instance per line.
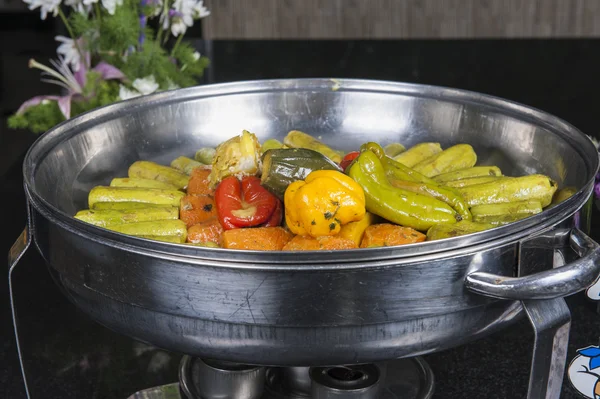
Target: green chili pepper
(397,205)
(445,194)
(401,176)
(524,188)
(395,169)
(441,231)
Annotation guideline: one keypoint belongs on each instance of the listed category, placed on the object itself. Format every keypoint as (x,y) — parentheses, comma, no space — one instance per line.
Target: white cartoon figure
(584,372)
(593,292)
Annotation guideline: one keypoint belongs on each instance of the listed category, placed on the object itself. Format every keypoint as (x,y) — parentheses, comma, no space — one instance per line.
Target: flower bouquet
(118,49)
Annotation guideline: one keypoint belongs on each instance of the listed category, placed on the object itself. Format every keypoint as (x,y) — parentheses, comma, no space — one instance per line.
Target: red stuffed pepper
(246,203)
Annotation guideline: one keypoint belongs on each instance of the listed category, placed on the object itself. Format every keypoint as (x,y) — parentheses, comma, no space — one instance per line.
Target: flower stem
(66,22)
(165,13)
(97,12)
(176,44)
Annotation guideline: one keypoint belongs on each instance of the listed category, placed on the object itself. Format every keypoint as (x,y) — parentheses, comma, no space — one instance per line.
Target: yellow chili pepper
(320,204)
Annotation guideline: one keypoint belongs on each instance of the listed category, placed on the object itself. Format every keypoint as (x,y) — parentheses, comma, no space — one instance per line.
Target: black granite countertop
(70,356)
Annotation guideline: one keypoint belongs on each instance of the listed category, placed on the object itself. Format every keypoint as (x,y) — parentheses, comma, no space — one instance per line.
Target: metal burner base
(409,378)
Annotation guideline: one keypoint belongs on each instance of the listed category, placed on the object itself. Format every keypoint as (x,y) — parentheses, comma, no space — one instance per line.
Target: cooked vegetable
(298,139)
(243,203)
(506,212)
(393,149)
(441,231)
(134,194)
(208,231)
(282,167)
(320,204)
(444,194)
(259,238)
(394,169)
(234,196)
(531,187)
(151,170)
(563,194)
(475,171)
(418,153)
(205,155)
(131,206)
(323,243)
(457,157)
(199,183)
(387,235)
(355,230)
(348,158)
(138,182)
(401,176)
(473,181)
(395,204)
(270,144)
(153,228)
(107,217)
(185,164)
(195,209)
(239,156)
(276,216)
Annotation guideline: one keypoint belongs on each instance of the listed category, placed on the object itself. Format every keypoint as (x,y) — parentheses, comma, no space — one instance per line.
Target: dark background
(71,357)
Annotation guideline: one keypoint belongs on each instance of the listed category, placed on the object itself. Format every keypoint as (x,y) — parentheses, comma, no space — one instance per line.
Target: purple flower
(142,37)
(175,13)
(72,82)
(32,102)
(143,22)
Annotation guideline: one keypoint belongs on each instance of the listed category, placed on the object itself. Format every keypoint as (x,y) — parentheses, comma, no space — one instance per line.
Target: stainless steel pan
(314,308)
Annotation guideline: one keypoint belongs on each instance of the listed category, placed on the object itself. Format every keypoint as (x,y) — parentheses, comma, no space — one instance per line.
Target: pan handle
(549,284)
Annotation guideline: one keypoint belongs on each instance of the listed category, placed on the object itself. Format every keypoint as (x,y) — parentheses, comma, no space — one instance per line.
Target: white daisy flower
(89,2)
(45,6)
(78,6)
(178,27)
(69,51)
(141,87)
(182,16)
(126,94)
(200,11)
(111,5)
(145,85)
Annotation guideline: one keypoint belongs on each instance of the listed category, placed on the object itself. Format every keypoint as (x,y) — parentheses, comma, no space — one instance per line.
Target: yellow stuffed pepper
(323,202)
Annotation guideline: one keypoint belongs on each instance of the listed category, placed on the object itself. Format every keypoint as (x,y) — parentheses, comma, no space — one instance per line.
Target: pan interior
(90,150)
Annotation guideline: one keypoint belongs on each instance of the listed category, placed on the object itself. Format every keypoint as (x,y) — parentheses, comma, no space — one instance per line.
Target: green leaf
(38,118)
(101,93)
(120,31)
